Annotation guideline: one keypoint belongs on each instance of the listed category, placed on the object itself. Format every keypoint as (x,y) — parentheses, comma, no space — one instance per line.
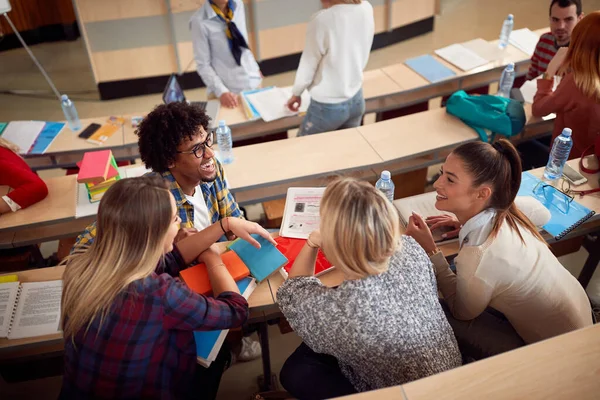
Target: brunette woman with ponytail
(503,263)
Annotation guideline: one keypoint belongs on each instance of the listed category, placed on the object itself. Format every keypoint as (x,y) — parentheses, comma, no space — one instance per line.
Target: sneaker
(250,350)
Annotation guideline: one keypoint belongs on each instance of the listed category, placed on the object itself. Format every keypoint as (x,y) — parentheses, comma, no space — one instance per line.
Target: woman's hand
(228,100)
(210,257)
(556,62)
(294,103)
(243,229)
(440,221)
(418,230)
(315,238)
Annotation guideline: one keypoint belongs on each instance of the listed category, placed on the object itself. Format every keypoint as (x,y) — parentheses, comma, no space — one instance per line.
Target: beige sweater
(526,282)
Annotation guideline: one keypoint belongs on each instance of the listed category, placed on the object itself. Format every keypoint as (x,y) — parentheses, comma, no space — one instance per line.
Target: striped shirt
(219,201)
(545,51)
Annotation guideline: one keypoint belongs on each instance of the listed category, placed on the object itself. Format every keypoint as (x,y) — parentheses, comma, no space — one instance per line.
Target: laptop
(173,92)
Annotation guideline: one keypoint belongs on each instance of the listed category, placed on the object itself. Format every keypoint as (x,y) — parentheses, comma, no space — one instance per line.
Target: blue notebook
(261,262)
(564,215)
(46,137)
(208,343)
(429,68)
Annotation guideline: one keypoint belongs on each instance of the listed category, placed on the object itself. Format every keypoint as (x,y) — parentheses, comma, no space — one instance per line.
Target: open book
(29,309)
(301,212)
(424,205)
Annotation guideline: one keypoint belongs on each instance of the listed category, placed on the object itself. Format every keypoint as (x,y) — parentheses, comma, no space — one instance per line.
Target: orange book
(102,134)
(196,277)
(95,167)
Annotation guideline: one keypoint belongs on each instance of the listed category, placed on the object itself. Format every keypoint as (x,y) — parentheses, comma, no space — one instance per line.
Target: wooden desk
(282,161)
(58,206)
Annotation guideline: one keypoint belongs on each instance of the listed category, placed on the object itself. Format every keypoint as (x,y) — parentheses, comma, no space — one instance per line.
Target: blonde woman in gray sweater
(383,325)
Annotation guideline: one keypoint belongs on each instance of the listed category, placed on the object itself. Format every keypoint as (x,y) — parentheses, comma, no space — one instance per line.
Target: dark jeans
(207,380)
(310,375)
(487,335)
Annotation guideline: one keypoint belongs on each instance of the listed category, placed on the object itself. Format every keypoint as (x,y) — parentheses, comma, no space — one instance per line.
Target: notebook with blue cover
(208,343)
(429,68)
(563,218)
(249,109)
(46,137)
(261,262)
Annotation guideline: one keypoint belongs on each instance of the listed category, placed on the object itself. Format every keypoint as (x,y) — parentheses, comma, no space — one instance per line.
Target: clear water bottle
(506,81)
(225,143)
(70,113)
(559,155)
(385,185)
(507,28)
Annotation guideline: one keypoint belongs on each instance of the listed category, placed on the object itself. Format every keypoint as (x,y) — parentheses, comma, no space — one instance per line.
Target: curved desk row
(384,89)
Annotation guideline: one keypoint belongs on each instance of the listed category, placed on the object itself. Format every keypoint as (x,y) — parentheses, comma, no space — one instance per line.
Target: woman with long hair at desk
(509,289)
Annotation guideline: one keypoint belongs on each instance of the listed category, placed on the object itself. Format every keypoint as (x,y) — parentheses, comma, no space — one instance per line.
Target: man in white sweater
(338,43)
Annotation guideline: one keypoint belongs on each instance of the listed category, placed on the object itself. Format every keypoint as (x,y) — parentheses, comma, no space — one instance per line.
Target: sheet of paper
(462,57)
(272,104)
(23,133)
(135,172)
(8,295)
(524,40)
(38,311)
(484,49)
(301,212)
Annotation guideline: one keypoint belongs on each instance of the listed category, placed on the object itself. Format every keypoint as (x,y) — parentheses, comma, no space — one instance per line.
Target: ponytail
(499,165)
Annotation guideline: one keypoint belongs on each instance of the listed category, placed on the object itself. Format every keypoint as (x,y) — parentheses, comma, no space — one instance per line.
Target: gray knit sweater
(384,330)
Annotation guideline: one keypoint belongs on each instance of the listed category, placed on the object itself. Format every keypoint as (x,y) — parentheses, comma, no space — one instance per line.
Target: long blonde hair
(9,145)
(583,56)
(360,228)
(133,219)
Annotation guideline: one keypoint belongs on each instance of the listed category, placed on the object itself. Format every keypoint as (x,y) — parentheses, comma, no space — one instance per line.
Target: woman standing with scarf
(223,59)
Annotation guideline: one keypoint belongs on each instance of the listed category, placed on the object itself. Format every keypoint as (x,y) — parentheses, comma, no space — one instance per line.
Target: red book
(291,248)
(95,167)
(196,277)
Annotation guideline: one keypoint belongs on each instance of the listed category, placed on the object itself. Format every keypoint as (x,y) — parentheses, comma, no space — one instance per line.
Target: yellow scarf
(237,42)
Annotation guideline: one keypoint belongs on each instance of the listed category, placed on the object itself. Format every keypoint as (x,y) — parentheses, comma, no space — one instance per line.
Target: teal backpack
(494,113)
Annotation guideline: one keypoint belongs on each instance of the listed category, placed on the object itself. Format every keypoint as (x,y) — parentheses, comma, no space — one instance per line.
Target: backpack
(494,113)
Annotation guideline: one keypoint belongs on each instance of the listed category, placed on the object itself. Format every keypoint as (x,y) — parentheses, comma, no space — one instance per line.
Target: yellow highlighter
(9,278)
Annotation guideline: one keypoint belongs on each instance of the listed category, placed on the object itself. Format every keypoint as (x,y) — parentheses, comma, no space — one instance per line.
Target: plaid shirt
(145,348)
(219,202)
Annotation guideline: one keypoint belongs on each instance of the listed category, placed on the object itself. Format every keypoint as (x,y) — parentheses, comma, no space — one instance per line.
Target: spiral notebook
(565,215)
(29,309)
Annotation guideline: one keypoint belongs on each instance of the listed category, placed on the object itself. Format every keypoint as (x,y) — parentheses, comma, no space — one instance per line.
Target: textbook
(29,309)
(23,133)
(461,56)
(261,262)
(565,213)
(290,248)
(95,167)
(424,205)
(430,68)
(196,277)
(209,343)
(301,212)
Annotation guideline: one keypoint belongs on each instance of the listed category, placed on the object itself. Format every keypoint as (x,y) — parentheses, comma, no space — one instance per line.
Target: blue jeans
(325,117)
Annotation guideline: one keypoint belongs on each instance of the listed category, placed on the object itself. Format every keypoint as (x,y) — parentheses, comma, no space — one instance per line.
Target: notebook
(424,205)
(196,277)
(261,262)
(429,68)
(524,40)
(105,132)
(208,343)
(290,248)
(50,131)
(249,110)
(462,57)
(2,126)
(29,309)
(301,212)
(23,133)
(563,219)
(272,104)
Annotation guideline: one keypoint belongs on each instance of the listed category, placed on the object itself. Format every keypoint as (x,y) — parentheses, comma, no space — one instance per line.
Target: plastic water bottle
(507,28)
(385,185)
(559,155)
(506,81)
(70,113)
(225,143)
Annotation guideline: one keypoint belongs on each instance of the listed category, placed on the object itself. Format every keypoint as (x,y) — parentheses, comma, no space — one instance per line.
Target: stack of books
(98,170)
